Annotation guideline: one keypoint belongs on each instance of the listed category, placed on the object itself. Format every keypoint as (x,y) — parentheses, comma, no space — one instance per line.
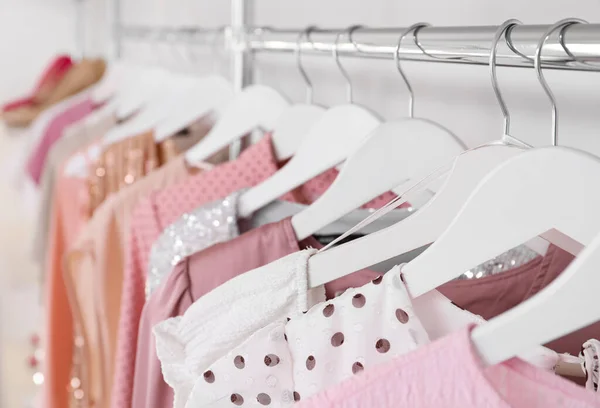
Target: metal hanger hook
(349,31)
(414,29)
(216,55)
(562,24)
(504,29)
(177,52)
(307,81)
(155,44)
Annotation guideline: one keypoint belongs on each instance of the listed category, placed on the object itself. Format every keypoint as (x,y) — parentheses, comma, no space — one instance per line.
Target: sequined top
(513,258)
(205,226)
(121,164)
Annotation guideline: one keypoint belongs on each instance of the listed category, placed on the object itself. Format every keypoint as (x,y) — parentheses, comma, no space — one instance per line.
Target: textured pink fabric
(449,374)
(54,132)
(201,273)
(152,215)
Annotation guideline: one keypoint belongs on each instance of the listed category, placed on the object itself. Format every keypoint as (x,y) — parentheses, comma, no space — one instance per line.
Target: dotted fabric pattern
(286,362)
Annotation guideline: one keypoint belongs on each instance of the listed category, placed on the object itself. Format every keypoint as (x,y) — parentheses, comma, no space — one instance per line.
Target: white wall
(31,33)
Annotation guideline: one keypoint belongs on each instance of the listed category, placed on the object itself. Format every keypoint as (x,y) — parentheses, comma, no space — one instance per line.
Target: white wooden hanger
(295,121)
(427,224)
(150,82)
(117,74)
(395,152)
(261,107)
(255,107)
(157,106)
(532,194)
(328,143)
(564,306)
(210,96)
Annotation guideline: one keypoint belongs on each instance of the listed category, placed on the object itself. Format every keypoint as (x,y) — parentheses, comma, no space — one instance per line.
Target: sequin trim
(205,226)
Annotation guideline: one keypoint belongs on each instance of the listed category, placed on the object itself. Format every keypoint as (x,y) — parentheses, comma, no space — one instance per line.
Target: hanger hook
(307,81)
(158,38)
(504,29)
(414,29)
(349,31)
(562,24)
(219,32)
(176,51)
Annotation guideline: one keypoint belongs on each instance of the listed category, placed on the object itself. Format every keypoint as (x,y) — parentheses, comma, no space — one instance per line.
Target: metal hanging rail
(465,45)
(185,35)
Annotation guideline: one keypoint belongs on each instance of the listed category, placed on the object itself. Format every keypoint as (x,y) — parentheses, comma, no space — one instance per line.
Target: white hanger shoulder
(420,229)
(210,94)
(328,143)
(291,127)
(117,73)
(257,106)
(149,83)
(158,105)
(541,192)
(566,305)
(393,153)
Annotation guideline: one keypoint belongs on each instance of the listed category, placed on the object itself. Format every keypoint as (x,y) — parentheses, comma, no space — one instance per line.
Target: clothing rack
(180,35)
(241,66)
(464,45)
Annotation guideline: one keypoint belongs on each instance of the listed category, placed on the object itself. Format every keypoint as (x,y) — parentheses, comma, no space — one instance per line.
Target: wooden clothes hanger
(427,224)
(522,193)
(260,107)
(178,101)
(210,95)
(393,153)
(159,102)
(328,143)
(531,194)
(117,73)
(149,83)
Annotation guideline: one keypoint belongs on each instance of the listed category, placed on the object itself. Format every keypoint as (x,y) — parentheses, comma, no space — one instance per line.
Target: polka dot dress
(293,359)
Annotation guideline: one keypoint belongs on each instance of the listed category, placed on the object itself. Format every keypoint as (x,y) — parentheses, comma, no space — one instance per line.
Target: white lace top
(205,226)
(225,317)
(281,364)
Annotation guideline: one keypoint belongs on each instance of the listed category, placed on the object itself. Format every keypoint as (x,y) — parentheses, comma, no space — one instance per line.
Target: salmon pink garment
(69,215)
(95,274)
(448,373)
(255,164)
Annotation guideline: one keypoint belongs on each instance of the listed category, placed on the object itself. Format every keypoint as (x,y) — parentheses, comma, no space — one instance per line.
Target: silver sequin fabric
(509,260)
(194,231)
